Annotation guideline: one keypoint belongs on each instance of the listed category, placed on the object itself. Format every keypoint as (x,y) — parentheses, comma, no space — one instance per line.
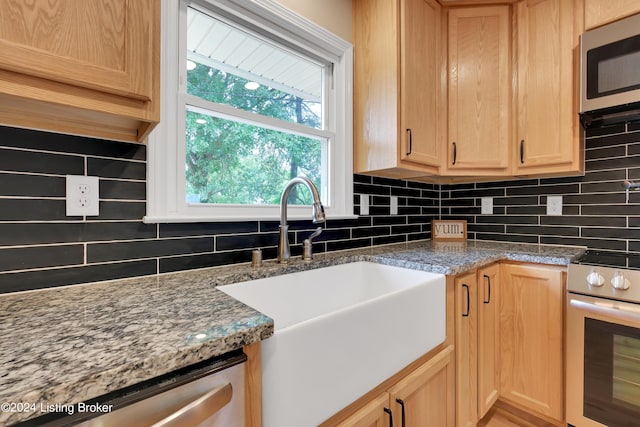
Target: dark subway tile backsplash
(118,251)
(30,161)
(22,258)
(595,213)
(32,210)
(207,229)
(40,247)
(117,169)
(31,185)
(247,241)
(190,262)
(39,279)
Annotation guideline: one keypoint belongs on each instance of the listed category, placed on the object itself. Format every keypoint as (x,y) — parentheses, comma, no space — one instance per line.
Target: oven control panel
(607,282)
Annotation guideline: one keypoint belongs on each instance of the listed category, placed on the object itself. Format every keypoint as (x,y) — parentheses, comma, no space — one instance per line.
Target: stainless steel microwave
(610,72)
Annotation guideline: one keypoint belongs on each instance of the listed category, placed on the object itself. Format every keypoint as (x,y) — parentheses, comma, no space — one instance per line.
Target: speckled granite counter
(70,344)
(452,258)
(66,345)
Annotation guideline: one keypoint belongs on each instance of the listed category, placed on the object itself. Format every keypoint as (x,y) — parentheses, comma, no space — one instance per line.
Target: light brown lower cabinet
(488,338)
(531,339)
(376,413)
(477,339)
(466,349)
(509,341)
(424,397)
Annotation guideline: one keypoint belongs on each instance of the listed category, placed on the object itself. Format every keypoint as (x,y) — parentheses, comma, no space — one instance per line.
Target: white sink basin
(339,332)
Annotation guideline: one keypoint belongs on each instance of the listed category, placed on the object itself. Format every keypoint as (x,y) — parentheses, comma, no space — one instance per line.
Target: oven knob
(594,278)
(619,281)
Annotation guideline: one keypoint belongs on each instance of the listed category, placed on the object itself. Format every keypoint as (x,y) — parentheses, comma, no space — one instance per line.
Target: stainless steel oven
(603,341)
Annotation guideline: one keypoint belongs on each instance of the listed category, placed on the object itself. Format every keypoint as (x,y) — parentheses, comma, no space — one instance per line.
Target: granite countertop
(66,345)
(453,258)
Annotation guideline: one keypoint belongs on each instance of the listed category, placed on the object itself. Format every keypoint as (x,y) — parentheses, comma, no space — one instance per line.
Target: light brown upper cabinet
(600,12)
(398,96)
(88,67)
(548,140)
(498,98)
(479,77)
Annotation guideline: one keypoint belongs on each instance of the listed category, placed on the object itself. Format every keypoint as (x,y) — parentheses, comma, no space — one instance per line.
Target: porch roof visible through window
(219,45)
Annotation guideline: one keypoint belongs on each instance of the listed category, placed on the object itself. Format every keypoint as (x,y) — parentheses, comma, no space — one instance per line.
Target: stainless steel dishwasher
(207,394)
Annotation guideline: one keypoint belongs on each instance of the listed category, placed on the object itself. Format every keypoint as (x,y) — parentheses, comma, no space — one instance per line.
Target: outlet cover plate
(394,205)
(364,204)
(486,205)
(554,205)
(82,195)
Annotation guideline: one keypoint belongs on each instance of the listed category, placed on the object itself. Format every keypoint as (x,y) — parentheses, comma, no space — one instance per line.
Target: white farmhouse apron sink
(339,332)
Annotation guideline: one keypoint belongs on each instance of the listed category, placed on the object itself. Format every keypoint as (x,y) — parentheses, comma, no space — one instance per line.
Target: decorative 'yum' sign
(449,230)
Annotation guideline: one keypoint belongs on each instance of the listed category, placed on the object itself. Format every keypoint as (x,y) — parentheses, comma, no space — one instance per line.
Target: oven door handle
(618,310)
(194,413)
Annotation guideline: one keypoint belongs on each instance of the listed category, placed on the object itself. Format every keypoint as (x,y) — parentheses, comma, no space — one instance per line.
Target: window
(252,95)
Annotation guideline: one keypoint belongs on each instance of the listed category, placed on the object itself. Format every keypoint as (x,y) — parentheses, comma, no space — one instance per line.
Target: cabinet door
(98,44)
(375,85)
(422,115)
(425,396)
(479,78)
(466,321)
(395,81)
(531,338)
(488,339)
(373,414)
(548,130)
(600,12)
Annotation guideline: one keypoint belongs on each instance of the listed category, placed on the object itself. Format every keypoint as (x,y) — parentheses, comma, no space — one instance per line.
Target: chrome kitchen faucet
(317,216)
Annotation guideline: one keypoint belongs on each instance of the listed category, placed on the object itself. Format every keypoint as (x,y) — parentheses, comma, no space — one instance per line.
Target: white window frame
(166,182)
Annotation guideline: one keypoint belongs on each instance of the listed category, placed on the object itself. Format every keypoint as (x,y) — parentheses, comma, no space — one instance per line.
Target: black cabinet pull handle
(401,402)
(410,142)
(522,151)
(388,411)
(488,300)
(468,301)
(455,153)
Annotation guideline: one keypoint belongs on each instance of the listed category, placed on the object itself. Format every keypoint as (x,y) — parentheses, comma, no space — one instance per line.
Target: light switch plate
(486,205)
(82,195)
(554,205)
(394,205)
(364,204)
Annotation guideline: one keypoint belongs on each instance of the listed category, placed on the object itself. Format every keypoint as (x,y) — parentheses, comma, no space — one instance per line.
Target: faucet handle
(314,234)
(307,247)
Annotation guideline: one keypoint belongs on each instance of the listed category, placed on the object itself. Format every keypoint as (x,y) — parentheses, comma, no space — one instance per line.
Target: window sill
(183,219)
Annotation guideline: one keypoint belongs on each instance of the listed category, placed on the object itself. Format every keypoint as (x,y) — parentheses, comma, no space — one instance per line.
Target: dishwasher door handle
(200,409)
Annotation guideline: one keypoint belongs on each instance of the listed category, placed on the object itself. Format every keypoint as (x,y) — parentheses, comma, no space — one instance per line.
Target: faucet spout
(317,215)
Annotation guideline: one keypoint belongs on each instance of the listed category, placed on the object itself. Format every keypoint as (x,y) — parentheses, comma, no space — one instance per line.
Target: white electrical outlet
(394,205)
(83,195)
(486,205)
(554,205)
(364,204)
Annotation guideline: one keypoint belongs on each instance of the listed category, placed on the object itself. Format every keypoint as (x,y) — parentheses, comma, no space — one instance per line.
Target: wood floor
(503,415)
